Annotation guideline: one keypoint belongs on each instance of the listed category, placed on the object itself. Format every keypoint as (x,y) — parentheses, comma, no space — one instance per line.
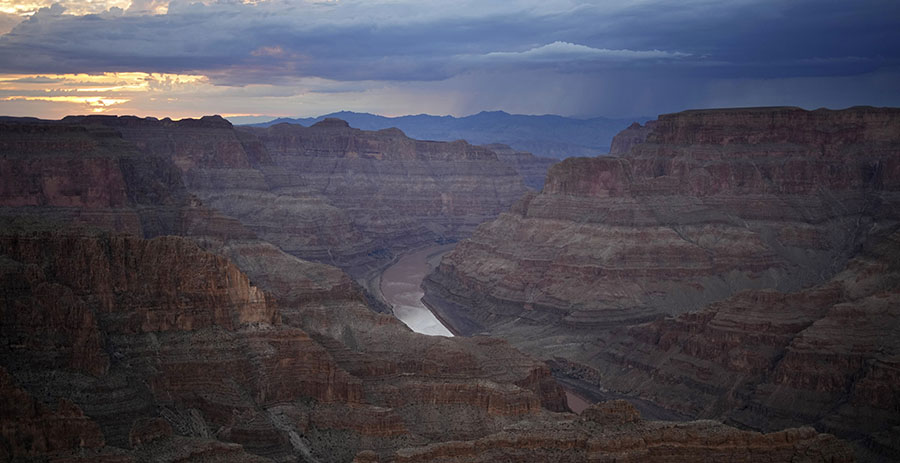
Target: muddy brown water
(401,288)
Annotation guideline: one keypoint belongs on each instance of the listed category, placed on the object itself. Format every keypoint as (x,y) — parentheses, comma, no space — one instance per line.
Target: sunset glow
(96,93)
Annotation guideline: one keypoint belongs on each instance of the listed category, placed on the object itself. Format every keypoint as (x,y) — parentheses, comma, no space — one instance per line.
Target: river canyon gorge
(723,286)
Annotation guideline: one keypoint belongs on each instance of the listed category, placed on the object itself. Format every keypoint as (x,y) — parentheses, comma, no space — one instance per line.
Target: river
(401,288)
(400,285)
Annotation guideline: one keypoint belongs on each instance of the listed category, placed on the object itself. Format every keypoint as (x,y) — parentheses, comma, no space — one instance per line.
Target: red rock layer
(328,193)
(135,331)
(825,356)
(177,356)
(613,432)
(713,204)
(672,226)
(396,191)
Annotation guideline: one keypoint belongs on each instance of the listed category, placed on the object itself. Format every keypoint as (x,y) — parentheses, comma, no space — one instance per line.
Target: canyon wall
(662,243)
(118,348)
(329,193)
(124,342)
(395,192)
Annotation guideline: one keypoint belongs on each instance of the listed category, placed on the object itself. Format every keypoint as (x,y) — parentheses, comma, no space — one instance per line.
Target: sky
(274,58)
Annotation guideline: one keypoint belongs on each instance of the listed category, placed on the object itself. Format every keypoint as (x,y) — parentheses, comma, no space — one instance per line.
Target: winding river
(401,288)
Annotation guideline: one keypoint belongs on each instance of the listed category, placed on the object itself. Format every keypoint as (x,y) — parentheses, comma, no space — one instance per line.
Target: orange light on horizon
(95,102)
(80,8)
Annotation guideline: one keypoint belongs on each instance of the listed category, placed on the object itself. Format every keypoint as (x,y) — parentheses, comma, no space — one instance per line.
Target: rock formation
(533,169)
(395,191)
(123,342)
(613,432)
(710,204)
(826,356)
(124,332)
(635,134)
(330,193)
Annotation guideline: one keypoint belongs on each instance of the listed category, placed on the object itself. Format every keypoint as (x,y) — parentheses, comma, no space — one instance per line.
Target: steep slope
(712,203)
(162,343)
(156,349)
(330,193)
(396,190)
(120,348)
(827,356)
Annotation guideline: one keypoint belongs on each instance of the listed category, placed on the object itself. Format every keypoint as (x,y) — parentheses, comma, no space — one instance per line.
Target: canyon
(192,291)
(734,264)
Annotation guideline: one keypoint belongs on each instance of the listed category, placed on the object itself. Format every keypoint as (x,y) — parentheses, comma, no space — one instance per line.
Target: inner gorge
(401,287)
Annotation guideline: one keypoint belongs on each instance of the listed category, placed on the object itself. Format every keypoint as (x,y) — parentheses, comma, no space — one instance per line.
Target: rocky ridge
(215,345)
(330,193)
(661,243)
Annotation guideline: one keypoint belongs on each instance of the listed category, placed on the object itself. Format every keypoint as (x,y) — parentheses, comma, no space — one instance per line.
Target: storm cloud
(579,57)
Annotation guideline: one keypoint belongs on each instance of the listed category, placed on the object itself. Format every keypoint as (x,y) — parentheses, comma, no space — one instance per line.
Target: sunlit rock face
(712,203)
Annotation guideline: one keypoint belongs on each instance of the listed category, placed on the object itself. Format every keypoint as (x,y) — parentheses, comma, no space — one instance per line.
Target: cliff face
(825,356)
(328,193)
(711,204)
(159,343)
(217,346)
(613,432)
(635,134)
(393,192)
(131,349)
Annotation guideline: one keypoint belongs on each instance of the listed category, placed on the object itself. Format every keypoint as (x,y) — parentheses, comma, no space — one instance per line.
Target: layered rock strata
(327,193)
(396,192)
(614,432)
(827,356)
(157,340)
(711,204)
(218,346)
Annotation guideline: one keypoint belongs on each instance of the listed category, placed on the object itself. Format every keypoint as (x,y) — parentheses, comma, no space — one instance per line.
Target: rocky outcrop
(603,435)
(712,204)
(825,356)
(381,191)
(158,340)
(218,346)
(533,169)
(327,193)
(170,349)
(677,224)
(635,134)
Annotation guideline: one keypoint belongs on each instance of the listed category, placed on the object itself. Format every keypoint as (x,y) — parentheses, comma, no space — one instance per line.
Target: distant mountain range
(548,136)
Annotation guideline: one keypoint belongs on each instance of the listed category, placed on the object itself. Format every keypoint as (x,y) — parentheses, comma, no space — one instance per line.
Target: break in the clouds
(401,56)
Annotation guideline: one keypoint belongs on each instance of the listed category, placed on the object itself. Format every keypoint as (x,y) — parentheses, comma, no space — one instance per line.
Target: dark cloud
(689,46)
